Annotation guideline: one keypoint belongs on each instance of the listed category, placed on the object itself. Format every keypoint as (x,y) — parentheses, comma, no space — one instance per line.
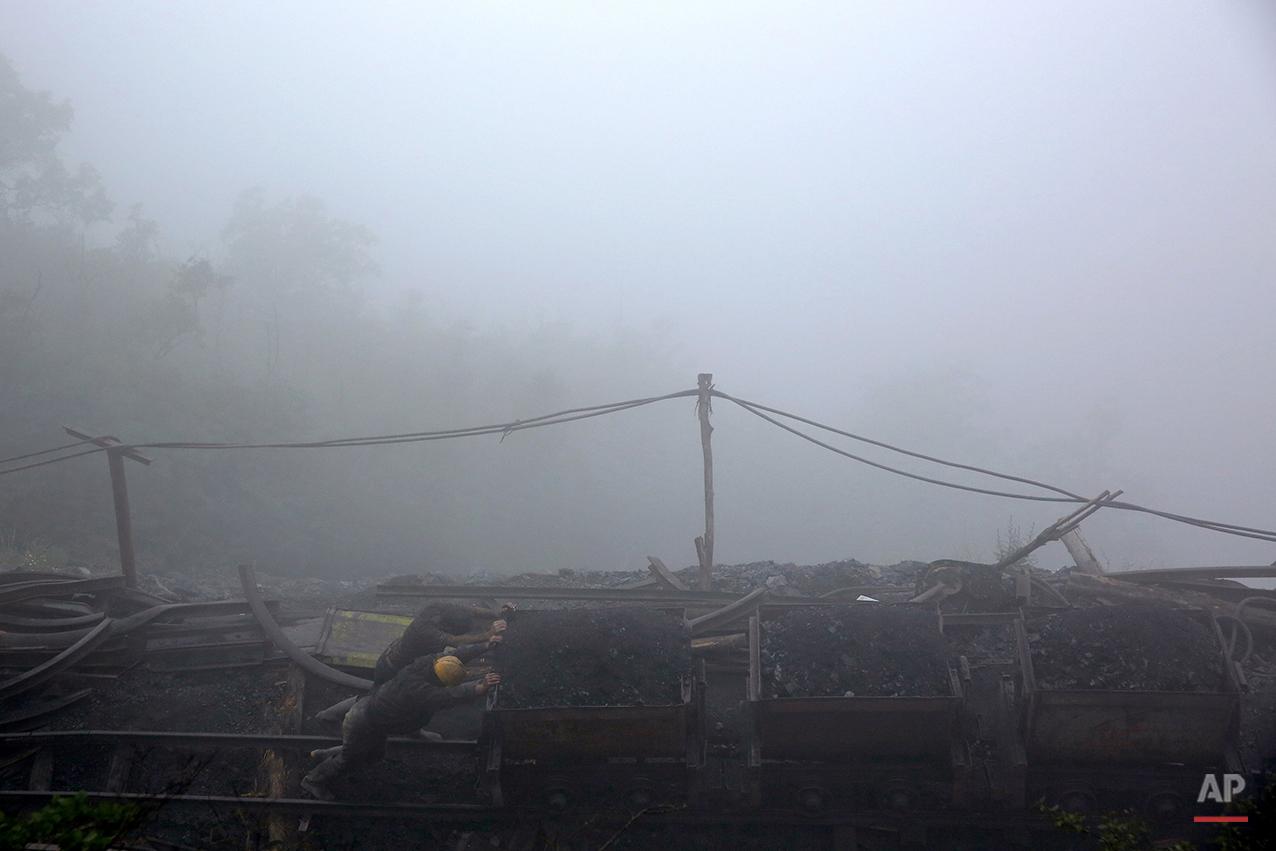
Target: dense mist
(1036,239)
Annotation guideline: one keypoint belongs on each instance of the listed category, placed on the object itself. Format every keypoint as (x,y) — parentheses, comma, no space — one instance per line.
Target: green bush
(73,824)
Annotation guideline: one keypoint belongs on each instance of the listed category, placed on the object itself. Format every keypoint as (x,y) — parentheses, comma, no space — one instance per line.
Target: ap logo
(1233,784)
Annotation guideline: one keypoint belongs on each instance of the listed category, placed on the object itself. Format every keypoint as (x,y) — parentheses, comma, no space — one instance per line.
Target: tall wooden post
(123,519)
(704,546)
(115,455)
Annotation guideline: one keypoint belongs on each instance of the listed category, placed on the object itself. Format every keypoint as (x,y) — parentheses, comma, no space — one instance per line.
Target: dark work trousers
(362,744)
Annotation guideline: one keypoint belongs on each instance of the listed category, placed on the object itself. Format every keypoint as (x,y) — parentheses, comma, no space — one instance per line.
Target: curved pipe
(18,592)
(47,670)
(249,580)
(745,605)
(8,622)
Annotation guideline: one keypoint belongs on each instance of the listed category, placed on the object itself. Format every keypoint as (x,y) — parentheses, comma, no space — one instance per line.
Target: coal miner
(403,705)
(436,627)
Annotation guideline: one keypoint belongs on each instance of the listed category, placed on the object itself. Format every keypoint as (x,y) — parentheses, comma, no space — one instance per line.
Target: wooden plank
(704,546)
(1081,553)
(1108,587)
(121,766)
(1173,574)
(664,575)
(41,779)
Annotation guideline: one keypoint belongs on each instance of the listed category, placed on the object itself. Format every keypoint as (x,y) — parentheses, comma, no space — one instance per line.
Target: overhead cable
(44,451)
(1211,525)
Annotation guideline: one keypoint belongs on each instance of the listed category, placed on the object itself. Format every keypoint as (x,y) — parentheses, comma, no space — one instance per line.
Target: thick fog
(1039,238)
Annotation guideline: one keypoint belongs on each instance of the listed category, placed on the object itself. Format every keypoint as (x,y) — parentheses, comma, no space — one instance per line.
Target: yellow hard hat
(450,670)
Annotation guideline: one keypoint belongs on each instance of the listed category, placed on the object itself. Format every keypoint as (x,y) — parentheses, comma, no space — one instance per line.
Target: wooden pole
(123,520)
(704,546)
(115,455)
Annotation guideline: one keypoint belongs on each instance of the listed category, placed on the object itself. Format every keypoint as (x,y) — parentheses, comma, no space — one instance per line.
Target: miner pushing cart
(403,705)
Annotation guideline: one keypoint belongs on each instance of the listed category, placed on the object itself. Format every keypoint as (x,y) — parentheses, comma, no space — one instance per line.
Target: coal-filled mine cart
(596,708)
(854,707)
(1126,706)
(987,648)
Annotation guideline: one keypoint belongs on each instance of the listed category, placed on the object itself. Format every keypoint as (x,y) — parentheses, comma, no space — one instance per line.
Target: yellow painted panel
(356,639)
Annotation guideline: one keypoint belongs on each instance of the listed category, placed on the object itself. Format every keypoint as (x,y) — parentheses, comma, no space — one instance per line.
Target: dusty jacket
(423,636)
(410,699)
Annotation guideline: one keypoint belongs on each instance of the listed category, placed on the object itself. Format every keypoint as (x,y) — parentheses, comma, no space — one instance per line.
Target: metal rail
(216,740)
(485,813)
(292,806)
(604,595)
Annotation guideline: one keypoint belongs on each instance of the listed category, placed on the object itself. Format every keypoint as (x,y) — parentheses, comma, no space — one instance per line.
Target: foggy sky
(1073,203)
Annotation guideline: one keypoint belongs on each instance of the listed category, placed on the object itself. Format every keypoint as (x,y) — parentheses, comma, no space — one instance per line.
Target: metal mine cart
(595,756)
(824,754)
(1091,749)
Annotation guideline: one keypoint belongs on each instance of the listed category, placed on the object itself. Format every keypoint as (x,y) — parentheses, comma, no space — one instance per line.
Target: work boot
(429,735)
(317,789)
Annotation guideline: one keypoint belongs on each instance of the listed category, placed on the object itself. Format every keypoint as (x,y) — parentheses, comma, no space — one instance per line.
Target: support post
(123,519)
(704,546)
(115,455)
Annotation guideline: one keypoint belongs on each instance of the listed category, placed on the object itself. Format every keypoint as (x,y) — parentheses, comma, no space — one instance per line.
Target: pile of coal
(1144,648)
(860,650)
(592,657)
(986,643)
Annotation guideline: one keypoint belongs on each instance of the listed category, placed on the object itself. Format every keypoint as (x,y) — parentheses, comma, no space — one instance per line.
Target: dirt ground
(855,651)
(592,657)
(1143,648)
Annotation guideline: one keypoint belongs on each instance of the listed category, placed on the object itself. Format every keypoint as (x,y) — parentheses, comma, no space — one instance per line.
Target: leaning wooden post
(116,452)
(704,546)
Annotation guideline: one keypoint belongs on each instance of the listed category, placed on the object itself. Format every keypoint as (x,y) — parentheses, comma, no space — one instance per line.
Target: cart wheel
(897,795)
(557,794)
(812,797)
(641,794)
(1164,805)
(1077,798)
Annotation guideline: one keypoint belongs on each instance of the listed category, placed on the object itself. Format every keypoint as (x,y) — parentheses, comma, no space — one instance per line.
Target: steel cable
(1211,525)
(52,460)
(575,414)
(44,451)
(503,429)
(570,415)
(901,451)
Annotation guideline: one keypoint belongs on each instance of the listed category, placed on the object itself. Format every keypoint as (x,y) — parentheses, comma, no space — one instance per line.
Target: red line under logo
(1221,818)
